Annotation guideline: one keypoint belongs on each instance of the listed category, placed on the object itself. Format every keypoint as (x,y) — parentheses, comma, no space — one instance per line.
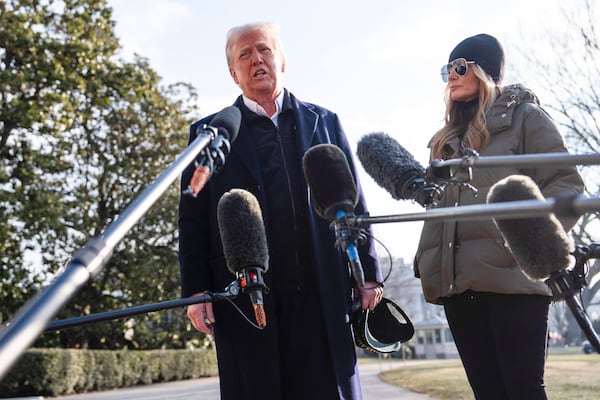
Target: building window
(448,335)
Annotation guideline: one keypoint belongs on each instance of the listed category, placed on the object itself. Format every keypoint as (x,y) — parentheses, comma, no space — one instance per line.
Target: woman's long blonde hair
(466,120)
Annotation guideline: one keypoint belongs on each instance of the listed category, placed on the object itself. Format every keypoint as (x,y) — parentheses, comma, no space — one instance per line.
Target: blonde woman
(498,317)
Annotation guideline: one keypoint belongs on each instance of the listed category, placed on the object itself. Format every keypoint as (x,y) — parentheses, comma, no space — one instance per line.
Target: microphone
(334,195)
(394,169)
(222,130)
(228,121)
(245,245)
(540,245)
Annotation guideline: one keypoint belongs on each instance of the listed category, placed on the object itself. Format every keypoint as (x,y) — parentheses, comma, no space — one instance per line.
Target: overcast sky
(376,64)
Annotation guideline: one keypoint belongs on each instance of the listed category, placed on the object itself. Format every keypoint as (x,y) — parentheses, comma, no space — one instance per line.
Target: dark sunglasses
(460,66)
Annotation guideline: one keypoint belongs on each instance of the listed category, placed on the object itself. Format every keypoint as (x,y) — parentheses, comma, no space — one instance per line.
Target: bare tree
(564,62)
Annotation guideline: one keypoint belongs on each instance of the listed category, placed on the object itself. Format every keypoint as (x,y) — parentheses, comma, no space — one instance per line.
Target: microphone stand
(472,159)
(459,171)
(567,283)
(231,291)
(33,317)
(565,206)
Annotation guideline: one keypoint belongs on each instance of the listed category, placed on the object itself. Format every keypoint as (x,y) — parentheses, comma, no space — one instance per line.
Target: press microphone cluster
(245,245)
(334,196)
(396,170)
(221,132)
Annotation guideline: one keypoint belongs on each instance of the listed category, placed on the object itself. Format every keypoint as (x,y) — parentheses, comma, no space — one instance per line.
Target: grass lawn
(567,376)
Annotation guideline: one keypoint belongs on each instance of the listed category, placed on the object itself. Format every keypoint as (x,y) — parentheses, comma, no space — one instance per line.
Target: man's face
(257,64)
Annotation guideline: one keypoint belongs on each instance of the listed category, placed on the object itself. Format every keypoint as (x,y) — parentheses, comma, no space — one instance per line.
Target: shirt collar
(258,109)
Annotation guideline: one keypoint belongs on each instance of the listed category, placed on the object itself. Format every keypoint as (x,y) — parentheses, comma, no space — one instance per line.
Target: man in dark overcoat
(306,350)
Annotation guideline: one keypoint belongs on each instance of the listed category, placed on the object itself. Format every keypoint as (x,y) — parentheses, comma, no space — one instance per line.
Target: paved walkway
(376,389)
(208,388)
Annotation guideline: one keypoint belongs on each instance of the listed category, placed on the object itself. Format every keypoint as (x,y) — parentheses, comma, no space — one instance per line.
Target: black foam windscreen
(242,231)
(389,164)
(539,244)
(330,180)
(229,119)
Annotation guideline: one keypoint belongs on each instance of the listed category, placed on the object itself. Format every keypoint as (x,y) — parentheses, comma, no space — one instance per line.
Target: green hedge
(54,372)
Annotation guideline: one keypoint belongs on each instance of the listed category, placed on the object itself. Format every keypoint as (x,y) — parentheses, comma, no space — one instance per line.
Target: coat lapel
(244,147)
(307,121)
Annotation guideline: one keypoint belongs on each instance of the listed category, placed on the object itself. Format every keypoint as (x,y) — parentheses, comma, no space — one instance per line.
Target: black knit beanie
(485,50)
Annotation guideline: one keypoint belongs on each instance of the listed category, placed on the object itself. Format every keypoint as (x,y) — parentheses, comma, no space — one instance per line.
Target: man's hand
(202,317)
(370,295)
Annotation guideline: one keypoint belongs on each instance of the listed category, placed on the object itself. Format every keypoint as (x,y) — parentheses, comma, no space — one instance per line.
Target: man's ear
(234,76)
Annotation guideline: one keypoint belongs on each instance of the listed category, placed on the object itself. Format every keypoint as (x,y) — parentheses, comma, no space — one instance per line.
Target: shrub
(54,372)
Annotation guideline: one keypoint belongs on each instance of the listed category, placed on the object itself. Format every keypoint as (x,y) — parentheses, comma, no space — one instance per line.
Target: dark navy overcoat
(203,266)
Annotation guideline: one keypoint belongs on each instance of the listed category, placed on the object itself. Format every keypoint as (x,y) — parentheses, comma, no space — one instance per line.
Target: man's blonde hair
(234,33)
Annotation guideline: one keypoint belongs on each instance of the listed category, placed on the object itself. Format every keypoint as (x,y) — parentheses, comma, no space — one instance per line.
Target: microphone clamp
(216,152)
(251,278)
(346,231)
(567,283)
(438,177)
(426,193)
(210,159)
(347,239)
(252,283)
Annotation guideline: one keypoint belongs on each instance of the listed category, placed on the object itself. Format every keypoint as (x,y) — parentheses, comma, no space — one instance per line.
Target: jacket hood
(500,114)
